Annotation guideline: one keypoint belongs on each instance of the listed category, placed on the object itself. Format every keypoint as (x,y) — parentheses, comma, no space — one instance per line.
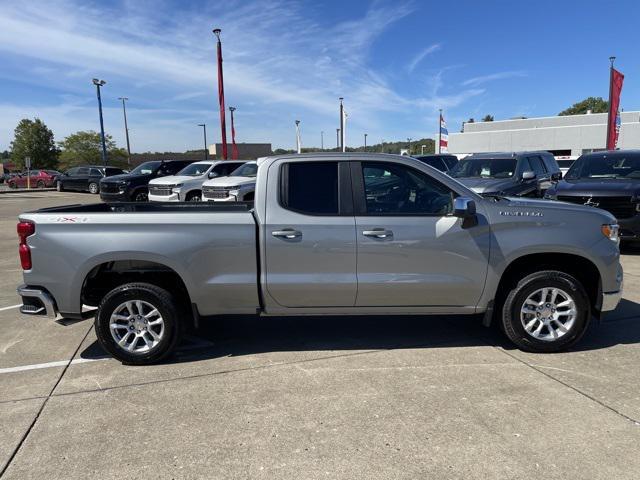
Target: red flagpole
(223,126)
(234,147)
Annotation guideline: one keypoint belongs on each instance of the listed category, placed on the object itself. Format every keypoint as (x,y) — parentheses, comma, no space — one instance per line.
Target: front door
(309,235)
(411,250)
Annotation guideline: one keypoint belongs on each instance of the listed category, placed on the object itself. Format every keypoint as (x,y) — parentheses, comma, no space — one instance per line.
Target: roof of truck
(334,156)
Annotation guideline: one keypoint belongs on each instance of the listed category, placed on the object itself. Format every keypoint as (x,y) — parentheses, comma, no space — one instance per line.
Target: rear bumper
(37,301)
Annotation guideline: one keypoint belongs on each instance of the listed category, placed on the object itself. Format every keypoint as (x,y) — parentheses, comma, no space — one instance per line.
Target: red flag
(234,147)
(223,125)
(614,103)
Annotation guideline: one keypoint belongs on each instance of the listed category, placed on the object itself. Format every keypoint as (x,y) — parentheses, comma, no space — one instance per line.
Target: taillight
(25,229)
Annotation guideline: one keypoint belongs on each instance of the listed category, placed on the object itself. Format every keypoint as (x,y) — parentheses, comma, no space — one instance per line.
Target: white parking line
(9,308)
(61,363)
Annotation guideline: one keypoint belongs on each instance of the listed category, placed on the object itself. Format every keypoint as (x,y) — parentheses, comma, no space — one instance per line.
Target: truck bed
(148,207)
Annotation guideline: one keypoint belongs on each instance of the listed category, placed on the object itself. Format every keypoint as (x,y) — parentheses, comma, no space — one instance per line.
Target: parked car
(443,162)
(337,234)
(85,178)
(565,162)
(133,186)
(609,180)
(239,186)
(37,179)
(186,186)
(516,173)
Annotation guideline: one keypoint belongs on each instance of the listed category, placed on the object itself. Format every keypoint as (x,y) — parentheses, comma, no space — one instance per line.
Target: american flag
(444,136)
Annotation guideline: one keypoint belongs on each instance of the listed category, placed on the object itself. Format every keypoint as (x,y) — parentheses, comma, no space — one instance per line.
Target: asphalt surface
(294,398)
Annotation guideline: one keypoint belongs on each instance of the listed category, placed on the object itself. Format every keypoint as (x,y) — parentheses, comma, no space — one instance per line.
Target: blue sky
(395,62)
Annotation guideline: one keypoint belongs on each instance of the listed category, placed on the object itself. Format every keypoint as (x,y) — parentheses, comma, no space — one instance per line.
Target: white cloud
(420,56)
(475,81)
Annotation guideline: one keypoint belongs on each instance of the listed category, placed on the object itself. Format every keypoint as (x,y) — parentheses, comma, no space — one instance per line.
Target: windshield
(606,166)
(246,170)
(146,168)
(484,168)
(195,169)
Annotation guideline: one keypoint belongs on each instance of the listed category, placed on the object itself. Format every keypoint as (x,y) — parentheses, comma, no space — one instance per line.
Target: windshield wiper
(496,195)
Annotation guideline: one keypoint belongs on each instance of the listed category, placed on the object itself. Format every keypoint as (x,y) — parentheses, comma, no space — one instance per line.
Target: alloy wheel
(548,314)
(136,326)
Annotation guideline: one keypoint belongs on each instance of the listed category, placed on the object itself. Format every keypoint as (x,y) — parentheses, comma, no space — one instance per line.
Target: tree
(487,118)
(595,104)
(32,138)
(85,147)
(5,155)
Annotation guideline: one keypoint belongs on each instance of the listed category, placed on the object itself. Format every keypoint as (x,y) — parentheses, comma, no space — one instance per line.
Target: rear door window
(94,172)
(224,169)
(537,165)
(310,188)
(83,171)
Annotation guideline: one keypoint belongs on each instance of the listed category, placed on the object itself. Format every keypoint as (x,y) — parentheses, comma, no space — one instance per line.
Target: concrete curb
(24,190)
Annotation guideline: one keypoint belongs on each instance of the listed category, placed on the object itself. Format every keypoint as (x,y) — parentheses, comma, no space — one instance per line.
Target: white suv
(239,186)
(186,185)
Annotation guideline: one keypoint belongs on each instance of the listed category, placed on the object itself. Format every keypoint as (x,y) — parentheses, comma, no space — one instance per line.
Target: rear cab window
(310,188)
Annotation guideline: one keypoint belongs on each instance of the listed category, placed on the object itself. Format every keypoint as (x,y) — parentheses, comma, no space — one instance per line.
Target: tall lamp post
(204,129)
(409,141)
(126,129)
(365,141)
(341,123)
(99,83)
(338,138)
(234,147)
(298,146)
(223,125)
(321,140)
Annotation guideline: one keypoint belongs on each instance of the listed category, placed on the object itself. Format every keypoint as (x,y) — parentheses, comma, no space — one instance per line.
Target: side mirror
(556,176)
(464,207)
(528,175)
(212,174)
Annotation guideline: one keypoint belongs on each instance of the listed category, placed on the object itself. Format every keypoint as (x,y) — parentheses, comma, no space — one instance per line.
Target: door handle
(378,233)
(289,233)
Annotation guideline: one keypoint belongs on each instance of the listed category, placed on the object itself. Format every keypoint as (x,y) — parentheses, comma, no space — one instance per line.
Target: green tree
(488,118)
(32,138)
(5,155)
(595,104)
(85,147)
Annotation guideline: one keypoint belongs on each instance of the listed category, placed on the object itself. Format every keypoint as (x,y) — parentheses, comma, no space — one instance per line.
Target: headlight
(178,185)
(611,231)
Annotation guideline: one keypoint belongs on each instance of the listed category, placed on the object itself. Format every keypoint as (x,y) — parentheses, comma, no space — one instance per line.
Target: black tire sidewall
(513,328)
(162,300)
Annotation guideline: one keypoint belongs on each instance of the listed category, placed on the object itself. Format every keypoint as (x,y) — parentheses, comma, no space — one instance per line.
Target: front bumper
(174,197)
(37,301)
(629,228)
(114,197)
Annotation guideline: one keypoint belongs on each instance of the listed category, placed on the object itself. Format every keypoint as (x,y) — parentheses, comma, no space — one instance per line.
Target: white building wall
(576,133)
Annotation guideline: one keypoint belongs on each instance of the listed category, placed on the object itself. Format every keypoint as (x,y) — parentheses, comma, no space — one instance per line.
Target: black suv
(443,162)
(609,180)
(85,178)
(132,187)
(515,173)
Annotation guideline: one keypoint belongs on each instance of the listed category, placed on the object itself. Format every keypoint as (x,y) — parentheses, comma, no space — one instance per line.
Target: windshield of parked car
(195,169)
(246,170)
(606,166)
(484,168)
(146,168)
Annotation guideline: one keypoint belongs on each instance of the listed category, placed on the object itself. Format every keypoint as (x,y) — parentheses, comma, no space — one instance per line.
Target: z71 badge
(518,213)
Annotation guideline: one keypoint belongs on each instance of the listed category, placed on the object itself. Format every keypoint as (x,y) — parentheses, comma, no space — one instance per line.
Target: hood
(230,181)
(125,177)
(487,185)
(534,207)
(607,187)
(174,179)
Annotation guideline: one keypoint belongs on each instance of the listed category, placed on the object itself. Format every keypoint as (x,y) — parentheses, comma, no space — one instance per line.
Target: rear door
(309,235)
(80,180)
(411,250)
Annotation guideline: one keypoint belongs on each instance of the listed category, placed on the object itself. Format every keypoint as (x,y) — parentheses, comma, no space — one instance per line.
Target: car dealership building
(570,135)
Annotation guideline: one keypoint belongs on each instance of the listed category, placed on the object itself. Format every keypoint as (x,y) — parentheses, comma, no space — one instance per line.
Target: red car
(38,179)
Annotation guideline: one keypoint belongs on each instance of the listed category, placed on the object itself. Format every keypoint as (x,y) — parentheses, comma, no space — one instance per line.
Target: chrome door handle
(289,233)
(378,233)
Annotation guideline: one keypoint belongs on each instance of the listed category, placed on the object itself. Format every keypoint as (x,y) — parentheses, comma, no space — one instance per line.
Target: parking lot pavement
(361,397)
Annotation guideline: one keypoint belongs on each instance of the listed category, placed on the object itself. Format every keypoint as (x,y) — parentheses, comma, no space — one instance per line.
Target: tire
(546,316)
(40,184)
(140,196)
(13,185)
(136,330)
(249,197)
(94,188)
(59,186)
(195,196)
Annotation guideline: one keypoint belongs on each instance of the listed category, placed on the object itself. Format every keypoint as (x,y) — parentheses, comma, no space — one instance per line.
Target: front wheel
(138,323)
(546,311)
(59,186)
(141,196)
(13,185)
(194,196)
(40,184)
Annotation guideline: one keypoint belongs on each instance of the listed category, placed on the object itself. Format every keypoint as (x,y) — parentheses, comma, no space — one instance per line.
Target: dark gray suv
(508,173)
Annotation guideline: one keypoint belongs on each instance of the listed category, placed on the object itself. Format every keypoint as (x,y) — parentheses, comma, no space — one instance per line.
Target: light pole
(382,145)
(298,146)
(99,83)
(409,141)
(341,124)
(365,141)
(234,147)
(338,138)
(126,128)
(223,124)
(321,140)
(204,129)
(422,147)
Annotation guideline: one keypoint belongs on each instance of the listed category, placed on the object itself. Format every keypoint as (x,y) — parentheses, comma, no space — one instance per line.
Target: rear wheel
(546,311)
(40,184)
(93,188)
(138,323)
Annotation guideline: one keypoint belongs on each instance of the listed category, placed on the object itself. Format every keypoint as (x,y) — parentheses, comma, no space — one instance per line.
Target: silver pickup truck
(328,234)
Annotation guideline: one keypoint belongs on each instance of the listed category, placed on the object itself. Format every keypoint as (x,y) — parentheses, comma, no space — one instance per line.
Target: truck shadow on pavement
(247,335)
